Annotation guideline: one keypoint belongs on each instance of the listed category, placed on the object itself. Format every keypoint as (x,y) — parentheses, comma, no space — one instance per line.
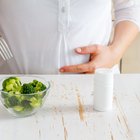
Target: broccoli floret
(13,101)
(34,83)
(26,104)
(35,102)
(27,89)
(18,108)
(32,87)
(4,95)
(12,84)
(38,86)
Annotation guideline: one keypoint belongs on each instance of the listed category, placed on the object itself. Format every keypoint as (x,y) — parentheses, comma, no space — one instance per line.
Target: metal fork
(5,52)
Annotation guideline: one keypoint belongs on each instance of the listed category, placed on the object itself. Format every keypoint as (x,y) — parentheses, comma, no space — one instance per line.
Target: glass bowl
(21,105)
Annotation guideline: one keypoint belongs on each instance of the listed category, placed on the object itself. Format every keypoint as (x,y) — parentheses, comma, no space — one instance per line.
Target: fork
(5,52)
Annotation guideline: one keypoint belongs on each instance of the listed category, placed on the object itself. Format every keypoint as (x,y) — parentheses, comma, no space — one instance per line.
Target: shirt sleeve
(127,10)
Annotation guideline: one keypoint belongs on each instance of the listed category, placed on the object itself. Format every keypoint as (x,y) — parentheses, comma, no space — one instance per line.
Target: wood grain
(68,112)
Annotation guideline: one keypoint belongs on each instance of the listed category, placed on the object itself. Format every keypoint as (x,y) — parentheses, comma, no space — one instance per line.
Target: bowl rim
(47,88)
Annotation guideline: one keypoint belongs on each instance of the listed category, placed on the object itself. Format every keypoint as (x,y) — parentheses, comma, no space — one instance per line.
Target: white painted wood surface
(68,112)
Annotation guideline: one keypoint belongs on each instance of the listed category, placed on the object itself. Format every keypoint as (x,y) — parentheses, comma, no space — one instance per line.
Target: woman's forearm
(124,34)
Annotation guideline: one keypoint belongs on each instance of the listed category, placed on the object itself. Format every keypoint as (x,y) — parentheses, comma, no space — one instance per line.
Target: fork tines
(5,52)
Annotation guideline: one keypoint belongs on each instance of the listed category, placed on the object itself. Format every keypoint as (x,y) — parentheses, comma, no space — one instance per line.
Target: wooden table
(68,112)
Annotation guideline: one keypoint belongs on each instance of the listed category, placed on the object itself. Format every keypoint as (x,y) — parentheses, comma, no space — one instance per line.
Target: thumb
(87,49)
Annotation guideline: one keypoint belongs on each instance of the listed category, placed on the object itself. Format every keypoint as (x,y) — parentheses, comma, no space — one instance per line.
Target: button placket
(64,15)
(63,27)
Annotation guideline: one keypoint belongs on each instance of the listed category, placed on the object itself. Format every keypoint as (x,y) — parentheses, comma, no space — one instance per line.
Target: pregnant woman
(67,36)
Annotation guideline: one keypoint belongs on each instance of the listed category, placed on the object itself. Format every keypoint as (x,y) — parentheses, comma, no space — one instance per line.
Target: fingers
(78,68)
(83,68)
(88,49)
(90,72)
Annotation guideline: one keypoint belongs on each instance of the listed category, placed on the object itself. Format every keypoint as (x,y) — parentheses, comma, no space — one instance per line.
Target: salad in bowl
(23,95)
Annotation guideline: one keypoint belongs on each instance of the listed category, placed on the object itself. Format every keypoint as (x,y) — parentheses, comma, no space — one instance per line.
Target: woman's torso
(43,34)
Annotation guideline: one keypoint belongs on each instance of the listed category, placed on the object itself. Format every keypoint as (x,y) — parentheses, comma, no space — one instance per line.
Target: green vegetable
(40,86)
(13,101)
(22,98)
(26,104)
(12,84)
(33,87)
(18,108)
(35,102)
(27,89)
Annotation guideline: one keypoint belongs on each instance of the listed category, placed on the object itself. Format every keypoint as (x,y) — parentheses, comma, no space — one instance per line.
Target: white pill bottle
(103,89)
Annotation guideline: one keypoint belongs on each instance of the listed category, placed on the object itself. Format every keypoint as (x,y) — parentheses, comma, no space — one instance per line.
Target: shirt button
(63,9)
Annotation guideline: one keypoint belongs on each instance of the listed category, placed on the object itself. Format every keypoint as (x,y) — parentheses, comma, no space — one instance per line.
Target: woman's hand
(100,57)
(106,57)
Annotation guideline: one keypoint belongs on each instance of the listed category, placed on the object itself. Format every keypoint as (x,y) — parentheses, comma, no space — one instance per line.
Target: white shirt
(43,34)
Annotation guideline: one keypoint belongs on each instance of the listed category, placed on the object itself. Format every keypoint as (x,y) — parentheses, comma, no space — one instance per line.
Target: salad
(22,97)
